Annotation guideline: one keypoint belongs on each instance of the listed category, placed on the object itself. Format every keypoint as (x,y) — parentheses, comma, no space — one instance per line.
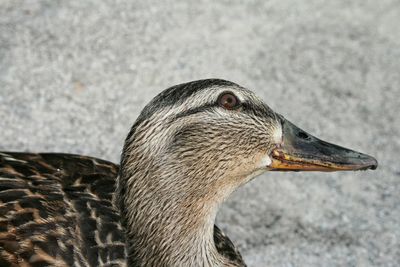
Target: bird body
(190,148)
(57,210)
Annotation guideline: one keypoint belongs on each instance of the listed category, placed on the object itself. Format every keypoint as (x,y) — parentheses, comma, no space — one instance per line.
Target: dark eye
(228,100)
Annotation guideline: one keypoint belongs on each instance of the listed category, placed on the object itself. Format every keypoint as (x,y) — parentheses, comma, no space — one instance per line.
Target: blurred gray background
(75,74)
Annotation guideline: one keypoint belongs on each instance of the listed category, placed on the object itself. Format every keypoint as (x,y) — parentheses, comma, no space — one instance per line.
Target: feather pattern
(57,209)
(185,154)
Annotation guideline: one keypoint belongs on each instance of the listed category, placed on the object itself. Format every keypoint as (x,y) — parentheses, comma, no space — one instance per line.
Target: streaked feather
(56,209)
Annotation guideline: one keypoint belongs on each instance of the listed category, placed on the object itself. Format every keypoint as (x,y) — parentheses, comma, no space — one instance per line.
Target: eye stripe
(245,107)
(208,106)
(196,110)
(255,109)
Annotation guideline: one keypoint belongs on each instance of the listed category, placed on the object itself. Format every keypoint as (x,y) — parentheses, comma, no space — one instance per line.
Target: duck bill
(300,151)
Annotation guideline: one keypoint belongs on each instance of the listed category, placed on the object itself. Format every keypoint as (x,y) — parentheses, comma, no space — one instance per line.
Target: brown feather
(56,209)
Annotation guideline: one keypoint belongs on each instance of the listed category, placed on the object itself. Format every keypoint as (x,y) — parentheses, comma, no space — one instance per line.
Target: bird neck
(167,223)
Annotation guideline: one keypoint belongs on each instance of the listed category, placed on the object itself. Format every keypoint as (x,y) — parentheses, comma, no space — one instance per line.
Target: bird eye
(228,100)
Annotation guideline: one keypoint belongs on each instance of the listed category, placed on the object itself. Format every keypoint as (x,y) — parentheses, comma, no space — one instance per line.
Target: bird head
(210,136)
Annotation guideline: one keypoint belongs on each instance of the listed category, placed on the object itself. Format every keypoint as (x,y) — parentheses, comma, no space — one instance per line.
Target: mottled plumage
(190,148)
(56,209)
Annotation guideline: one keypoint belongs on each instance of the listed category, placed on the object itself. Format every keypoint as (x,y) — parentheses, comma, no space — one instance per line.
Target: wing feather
(53,208)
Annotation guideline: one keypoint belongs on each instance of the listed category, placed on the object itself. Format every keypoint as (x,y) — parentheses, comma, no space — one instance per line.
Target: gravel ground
(75,74)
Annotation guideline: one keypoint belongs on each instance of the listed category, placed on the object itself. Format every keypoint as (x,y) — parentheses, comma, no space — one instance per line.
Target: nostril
(303,135)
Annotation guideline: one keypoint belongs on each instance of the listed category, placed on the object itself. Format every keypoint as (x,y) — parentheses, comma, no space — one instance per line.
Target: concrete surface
(75,74)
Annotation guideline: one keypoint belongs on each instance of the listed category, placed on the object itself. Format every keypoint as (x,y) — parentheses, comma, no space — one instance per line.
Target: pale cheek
(277,134)
(265,161)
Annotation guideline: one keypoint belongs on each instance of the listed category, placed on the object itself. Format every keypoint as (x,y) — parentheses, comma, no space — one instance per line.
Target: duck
(190,148)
